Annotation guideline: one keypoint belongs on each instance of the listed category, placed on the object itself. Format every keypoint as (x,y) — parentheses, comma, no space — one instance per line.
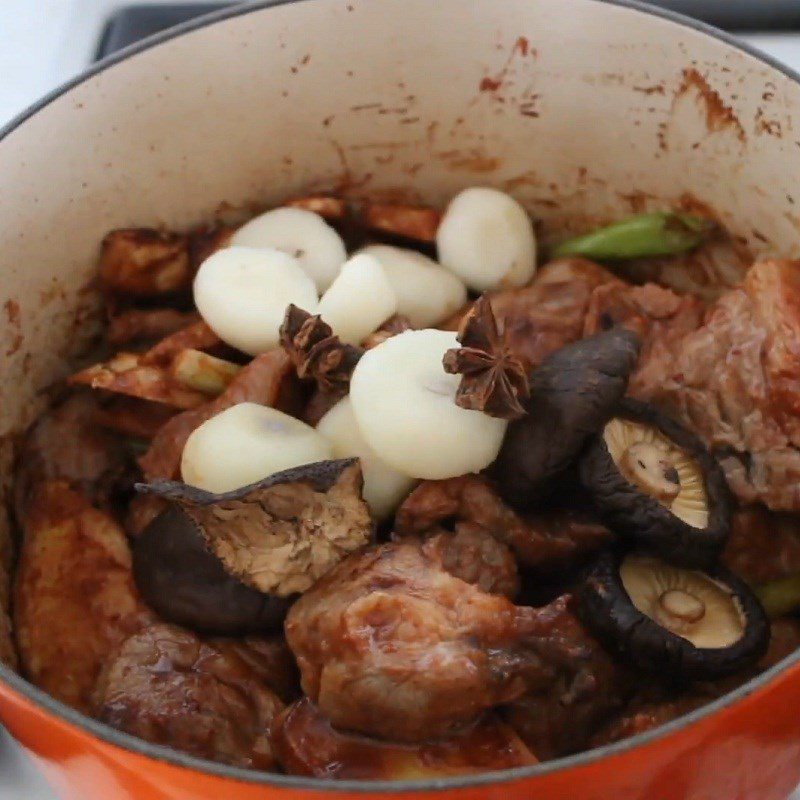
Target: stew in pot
(363,490)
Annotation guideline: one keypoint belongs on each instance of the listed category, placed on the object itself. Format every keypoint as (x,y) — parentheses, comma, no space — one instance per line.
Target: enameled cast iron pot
(583,109)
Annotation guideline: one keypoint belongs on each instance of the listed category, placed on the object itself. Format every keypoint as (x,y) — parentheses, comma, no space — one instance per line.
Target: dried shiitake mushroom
(676,622)
(654,482)
(281,534)
(572,395)
(185,583)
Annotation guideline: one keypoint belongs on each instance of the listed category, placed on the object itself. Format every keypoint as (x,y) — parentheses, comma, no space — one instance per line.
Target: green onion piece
(781,596)
(659,234)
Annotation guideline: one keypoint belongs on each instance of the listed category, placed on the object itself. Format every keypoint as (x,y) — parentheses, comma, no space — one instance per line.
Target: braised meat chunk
(65,443)
(147,325)
(657,315)
(734,383)
(306,744)
(390,644)
(542,540)
(271,660)
(475,557)
(168,687)
(763,546)
(585,689)
(550,311)
(74,596)
(145,262)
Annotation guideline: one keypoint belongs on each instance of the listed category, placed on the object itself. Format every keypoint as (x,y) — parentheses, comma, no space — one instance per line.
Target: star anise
(494,379)
(316,352)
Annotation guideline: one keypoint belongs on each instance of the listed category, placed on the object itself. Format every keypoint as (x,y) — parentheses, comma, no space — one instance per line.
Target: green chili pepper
(659,234)
(781,596)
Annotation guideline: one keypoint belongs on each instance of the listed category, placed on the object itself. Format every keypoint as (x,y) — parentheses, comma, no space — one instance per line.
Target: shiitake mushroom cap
(692,535)
(573,393)
(611,614)
(185,583)
(280,534)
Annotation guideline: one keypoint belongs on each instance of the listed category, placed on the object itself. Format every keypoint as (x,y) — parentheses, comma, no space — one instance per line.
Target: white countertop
(45,42)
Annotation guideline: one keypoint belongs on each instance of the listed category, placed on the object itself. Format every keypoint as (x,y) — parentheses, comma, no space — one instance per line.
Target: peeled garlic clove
(487,239)
(426,293)
(384,487)
(302,234)
(242,293)
(359,300)
(403,402)
(245,443)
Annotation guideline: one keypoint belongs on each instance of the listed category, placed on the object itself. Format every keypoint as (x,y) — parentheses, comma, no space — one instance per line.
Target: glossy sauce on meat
(543,540)
(168,687)
(306,744)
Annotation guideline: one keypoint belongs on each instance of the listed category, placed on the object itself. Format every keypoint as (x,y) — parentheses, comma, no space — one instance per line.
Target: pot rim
(174,758)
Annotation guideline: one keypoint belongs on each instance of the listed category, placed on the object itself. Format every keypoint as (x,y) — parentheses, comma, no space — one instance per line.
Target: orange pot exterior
(747,750)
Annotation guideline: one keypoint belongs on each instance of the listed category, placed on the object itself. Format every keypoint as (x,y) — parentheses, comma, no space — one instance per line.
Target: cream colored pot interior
(584,110)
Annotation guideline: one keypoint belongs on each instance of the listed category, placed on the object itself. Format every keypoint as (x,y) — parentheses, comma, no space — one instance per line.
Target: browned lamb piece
(143,262)
(542,540)
(75,599)
(469,554)
(66,443)
(550,311)
(660,317)
(560,717)
(306,743)
(764,545)
(270,659)
(391,645)
(167,686)
(735,381)
(145,325)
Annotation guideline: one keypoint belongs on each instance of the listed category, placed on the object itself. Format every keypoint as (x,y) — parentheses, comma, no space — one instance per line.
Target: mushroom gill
(658,467)
(686,602)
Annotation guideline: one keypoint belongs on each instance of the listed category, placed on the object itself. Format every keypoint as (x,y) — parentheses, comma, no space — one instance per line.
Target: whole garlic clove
(359,300)
(301,234)
(487,239)
(242,293)
(248,442)
(426,293)
(384,486)
(403,402)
